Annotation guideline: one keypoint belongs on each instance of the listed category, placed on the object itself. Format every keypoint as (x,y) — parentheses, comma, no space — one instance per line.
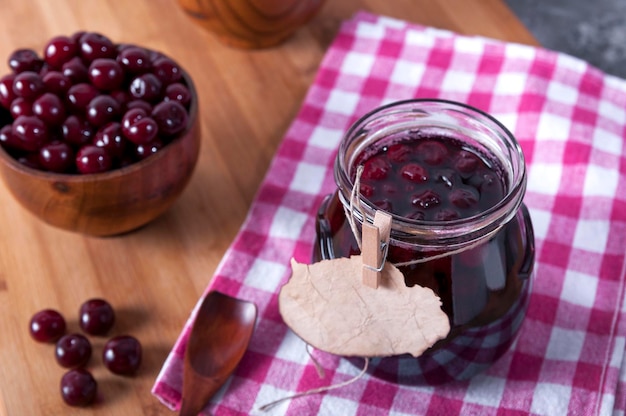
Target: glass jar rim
(438,233)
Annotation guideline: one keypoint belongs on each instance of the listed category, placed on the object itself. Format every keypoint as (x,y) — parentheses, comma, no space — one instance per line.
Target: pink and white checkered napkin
(570,119)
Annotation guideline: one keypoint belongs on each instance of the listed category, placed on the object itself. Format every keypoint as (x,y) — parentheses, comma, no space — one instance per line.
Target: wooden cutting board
(154,276)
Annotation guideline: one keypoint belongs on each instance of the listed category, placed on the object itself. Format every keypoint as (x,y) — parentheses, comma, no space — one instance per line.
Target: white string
(318,367)
(355,195)
(268,406)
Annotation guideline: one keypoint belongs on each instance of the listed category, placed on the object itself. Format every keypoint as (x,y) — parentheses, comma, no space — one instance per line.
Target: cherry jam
(453,180)
(431,179)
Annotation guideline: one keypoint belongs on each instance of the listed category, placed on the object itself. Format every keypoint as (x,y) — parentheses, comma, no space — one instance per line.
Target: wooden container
(112,202)
(251,24)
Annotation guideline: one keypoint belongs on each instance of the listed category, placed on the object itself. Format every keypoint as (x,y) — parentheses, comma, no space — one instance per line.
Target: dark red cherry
(6,138)
(146,87)
(56,83)
(134,60)
(59,50)
(102,110)
(47,325)
(75,70)
(166,70)
(93,159)
(80,95)
(432,152)
(110,137)
(72,351)
(30,131)
(171,117)
(122,355)
(56,156)
(77,131)
(138,127)
(50,109)
(466,197)
(25,60)
(414,172)
(178,92)
(21,107)
(6,90)
(78,387)
(399,152)
(426,199)
(106,74)
(376,168)
(28,85)
(96,316)
(466,162)
(94,45)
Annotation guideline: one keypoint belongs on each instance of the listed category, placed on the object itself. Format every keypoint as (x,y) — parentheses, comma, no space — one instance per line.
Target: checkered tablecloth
(570,119)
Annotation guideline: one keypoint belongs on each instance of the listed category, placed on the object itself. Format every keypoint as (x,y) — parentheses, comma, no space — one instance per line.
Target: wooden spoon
(218,340)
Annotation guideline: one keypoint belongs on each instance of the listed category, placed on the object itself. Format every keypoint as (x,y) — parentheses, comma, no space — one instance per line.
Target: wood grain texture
(251,24)
(153,277)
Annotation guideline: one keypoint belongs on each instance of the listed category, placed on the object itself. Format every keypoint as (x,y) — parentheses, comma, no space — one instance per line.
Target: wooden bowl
(113,202)
(251,24)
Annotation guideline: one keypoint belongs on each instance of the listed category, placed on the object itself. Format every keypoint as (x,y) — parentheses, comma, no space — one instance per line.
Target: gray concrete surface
(594,30)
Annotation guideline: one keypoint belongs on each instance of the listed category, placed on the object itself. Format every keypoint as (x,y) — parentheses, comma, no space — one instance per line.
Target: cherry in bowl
(100,182)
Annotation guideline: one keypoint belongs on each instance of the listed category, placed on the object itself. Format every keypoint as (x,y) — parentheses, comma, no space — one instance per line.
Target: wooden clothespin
(374,248)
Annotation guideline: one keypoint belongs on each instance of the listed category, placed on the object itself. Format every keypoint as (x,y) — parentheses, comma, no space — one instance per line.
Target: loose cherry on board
(122,355)
(47,325)
(78,387)
(73,351)
(96,316)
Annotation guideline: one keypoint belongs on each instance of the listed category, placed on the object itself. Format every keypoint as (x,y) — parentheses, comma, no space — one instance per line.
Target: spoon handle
(192,404)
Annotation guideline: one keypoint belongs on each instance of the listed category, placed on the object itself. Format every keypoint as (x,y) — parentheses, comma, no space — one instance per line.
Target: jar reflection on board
(453,179)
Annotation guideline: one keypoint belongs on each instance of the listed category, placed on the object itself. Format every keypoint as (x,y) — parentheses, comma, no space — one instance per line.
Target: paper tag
(327,305)
(375,239)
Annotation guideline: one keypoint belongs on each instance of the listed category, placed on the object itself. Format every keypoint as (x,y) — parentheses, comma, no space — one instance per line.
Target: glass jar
(480,265)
